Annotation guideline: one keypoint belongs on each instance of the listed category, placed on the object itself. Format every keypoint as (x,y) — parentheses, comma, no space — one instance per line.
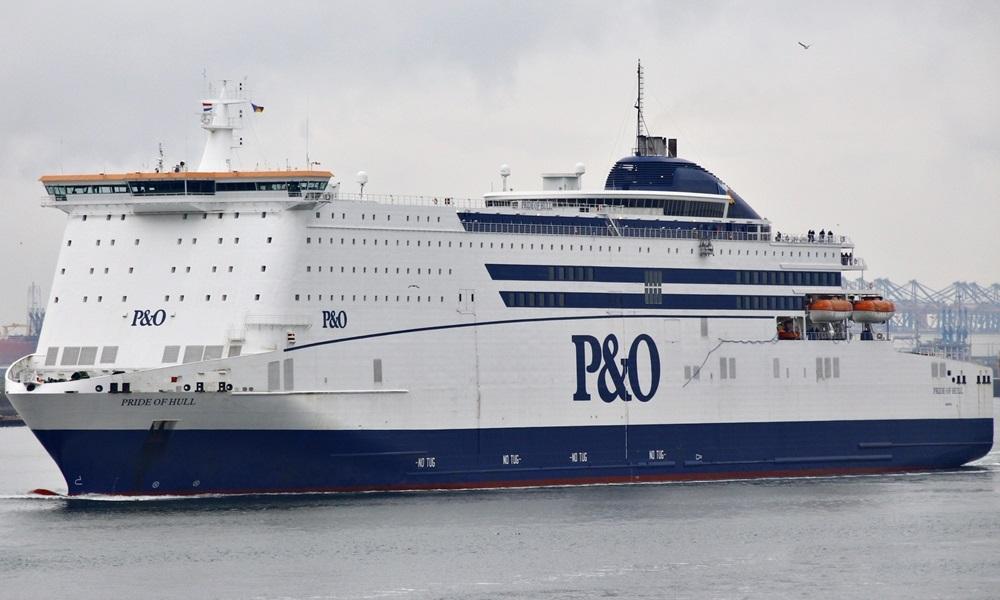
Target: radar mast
(641,131)
(645,144)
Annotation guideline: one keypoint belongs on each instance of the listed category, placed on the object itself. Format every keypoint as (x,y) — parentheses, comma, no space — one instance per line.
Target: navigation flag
(257,109)
(206,106)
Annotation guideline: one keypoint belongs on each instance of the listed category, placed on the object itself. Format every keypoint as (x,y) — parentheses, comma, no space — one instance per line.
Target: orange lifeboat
(873,310)
(829,310)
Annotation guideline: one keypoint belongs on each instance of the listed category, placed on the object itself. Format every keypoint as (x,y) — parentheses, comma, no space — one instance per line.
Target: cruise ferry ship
(212,330)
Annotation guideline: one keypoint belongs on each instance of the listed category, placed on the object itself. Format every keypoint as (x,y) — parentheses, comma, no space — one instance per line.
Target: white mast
(217,120)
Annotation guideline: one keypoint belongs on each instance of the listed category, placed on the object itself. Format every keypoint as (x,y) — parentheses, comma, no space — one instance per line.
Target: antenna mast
(640,123)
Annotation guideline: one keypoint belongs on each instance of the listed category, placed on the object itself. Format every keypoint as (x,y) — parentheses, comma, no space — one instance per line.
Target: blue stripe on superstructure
(379,334)
(608,274)
(188,461)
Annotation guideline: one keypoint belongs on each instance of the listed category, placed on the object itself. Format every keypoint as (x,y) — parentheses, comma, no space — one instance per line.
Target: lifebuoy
(326,196)
(879,336)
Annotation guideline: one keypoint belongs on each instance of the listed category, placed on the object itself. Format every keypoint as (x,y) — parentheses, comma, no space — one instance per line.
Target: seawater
(933,535)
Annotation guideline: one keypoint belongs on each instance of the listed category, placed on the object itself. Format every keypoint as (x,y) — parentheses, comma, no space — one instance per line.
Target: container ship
(214,331)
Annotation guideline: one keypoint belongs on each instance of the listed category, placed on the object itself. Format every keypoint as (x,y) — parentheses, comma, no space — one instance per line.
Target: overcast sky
(887,129)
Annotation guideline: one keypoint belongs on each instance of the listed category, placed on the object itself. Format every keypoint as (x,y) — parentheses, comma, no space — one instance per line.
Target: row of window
(470,245)
(184,216)
(80,355)
(827,368)
(215,269)
(770,303)
(131,270)
(653,287)
(166,298)
(669,206)
(197,353)
(562,247)
(388,217)
(108,217)
(503,245)
(194,241)
(727,368)
(179,187)
(385,270)
(309,269)
(939,369)
(536,299)
(374,298)
(817,278)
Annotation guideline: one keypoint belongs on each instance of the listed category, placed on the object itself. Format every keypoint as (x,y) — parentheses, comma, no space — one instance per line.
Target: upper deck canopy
(672,174)
(181,175)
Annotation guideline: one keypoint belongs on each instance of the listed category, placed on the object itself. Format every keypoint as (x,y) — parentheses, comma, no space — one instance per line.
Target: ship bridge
(183,191)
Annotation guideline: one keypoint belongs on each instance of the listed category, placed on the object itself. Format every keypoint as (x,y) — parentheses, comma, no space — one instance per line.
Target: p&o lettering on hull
(617,378)
(148,318)
(333,319)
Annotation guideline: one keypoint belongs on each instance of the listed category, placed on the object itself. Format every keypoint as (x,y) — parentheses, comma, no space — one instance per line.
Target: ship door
(466,301)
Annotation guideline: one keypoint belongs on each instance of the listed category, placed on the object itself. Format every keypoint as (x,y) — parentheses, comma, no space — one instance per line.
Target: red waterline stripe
(531,483)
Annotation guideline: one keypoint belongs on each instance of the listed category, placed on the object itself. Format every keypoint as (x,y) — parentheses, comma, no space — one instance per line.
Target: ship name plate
(173,401)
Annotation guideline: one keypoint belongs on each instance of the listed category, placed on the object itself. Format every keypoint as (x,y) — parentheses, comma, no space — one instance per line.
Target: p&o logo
(333,319)
(616,377)
(148,318)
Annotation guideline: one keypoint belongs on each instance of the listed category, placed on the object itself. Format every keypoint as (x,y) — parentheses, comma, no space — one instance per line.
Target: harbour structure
(224,331)
(18,340)
(944,319)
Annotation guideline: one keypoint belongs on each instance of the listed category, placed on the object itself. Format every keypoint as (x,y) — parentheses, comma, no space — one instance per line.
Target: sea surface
(929,535)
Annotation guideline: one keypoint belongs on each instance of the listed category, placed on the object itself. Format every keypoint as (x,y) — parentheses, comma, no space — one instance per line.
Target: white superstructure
(258,331)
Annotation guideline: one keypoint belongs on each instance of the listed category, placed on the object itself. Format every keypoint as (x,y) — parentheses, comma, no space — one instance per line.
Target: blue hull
(260,461)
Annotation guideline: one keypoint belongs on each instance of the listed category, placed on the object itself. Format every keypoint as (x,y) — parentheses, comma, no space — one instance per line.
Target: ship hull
(187,461)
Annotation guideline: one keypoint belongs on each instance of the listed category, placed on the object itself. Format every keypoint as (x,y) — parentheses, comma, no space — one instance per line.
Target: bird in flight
(805,46)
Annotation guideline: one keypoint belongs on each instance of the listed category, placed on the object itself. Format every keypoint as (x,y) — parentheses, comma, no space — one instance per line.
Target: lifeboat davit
(829,310)
(873,310)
